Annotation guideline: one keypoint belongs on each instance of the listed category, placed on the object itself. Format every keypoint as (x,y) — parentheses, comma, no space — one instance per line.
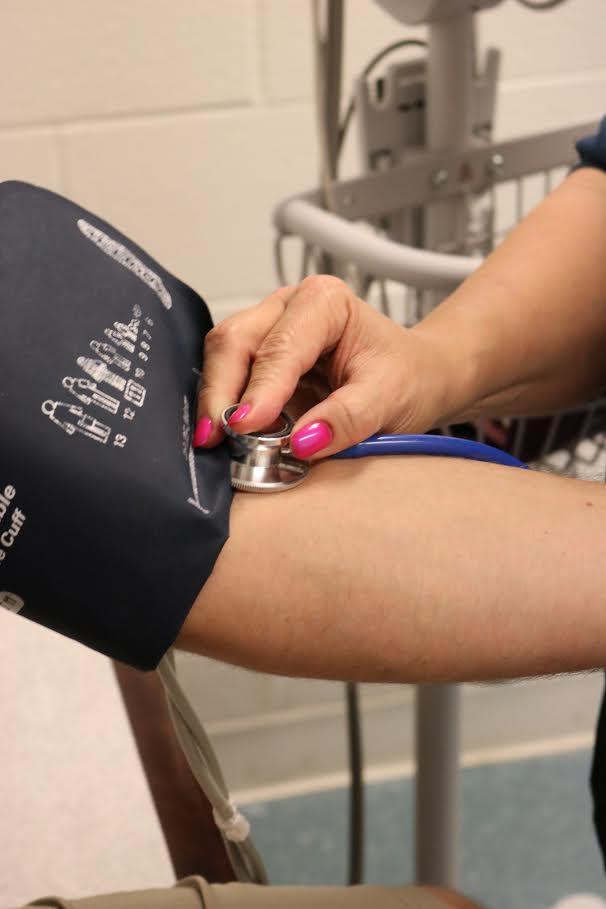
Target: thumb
(350,414)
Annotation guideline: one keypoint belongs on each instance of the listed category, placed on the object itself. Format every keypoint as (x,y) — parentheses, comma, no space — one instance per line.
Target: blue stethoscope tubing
(442,446)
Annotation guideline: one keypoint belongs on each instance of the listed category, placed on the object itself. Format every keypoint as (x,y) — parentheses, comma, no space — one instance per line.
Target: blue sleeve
(592,149)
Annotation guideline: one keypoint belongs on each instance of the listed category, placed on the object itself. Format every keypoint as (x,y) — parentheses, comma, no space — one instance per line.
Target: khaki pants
(196,893)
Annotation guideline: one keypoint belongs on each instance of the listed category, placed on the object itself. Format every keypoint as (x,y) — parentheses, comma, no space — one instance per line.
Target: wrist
(451,380)
(483,351)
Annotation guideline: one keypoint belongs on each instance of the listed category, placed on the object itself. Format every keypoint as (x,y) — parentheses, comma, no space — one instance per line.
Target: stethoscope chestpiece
(262,461)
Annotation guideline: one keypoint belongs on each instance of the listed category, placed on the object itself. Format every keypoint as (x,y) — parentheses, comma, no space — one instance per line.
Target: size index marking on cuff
(128,259)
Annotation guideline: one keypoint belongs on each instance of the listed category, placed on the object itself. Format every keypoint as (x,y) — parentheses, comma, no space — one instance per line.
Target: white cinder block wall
(185,122)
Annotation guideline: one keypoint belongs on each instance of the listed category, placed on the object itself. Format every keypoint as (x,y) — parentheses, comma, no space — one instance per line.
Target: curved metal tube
(377,255)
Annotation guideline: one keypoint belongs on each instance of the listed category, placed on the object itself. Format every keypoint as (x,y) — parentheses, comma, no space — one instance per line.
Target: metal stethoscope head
(262,461)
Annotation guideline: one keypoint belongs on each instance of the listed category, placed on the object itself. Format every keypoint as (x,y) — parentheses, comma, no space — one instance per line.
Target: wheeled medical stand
(436,194)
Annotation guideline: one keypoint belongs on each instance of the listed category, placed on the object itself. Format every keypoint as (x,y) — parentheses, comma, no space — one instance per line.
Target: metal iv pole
(449,120)
(448,123)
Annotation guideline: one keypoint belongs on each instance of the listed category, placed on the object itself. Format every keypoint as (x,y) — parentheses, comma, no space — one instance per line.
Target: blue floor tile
(527,837)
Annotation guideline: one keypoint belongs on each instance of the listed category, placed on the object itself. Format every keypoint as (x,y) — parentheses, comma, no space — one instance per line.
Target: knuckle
(286,291)
(222,335)
(276,361)
(278,345)
(353,416)
(327,286)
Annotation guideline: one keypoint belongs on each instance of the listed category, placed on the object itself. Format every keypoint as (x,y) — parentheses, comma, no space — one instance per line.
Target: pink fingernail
(204,427)
(239,414)
(310,439)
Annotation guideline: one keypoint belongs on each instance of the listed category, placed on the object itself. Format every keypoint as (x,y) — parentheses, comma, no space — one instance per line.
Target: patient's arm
(411,569)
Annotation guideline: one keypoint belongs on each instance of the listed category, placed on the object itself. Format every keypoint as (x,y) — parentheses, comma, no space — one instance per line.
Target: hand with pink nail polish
(239,414)
(340,368)
(204,427)
(310,439)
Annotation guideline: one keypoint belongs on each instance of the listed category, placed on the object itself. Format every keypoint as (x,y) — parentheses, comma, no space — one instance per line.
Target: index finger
(312,323)
(229,349)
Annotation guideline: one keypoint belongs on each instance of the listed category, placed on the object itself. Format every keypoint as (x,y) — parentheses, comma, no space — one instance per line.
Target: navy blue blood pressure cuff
(109,525)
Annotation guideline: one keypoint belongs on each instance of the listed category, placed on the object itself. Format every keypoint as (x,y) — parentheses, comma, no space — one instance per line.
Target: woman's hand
(343,369)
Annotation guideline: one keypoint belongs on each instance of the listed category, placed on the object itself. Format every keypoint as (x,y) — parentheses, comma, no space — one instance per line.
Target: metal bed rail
(422,179)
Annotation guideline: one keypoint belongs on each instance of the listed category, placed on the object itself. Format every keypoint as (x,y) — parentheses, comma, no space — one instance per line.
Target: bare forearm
(529,327)
(410,569)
